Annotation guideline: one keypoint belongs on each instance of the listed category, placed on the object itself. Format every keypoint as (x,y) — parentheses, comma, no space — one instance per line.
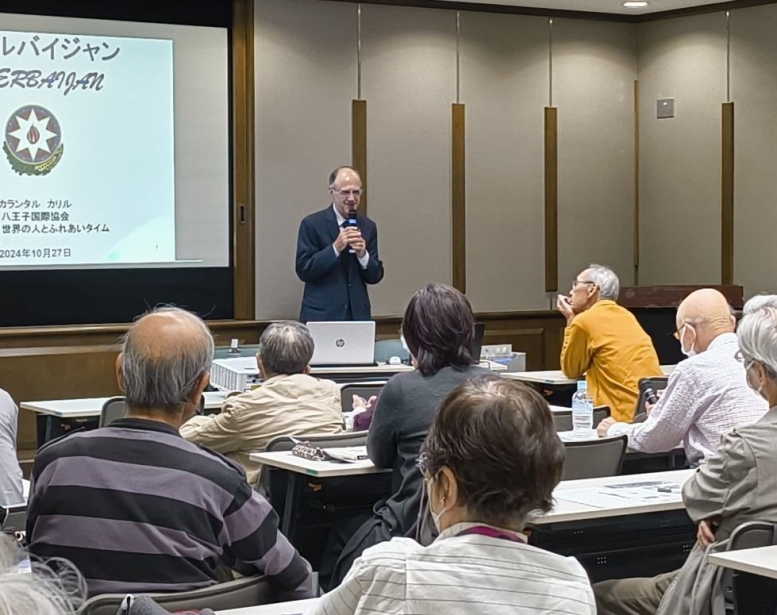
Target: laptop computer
(343,343)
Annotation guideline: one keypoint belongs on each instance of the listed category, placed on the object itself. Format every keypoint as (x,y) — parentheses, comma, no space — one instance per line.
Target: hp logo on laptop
(340,343)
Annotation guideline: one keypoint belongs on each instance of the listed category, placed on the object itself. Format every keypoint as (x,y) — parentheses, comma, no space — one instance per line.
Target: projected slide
(88,162)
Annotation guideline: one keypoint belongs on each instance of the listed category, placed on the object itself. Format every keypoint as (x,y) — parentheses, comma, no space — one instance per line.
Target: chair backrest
(362,390)
(594,458)
(748,535)
(562,419)
(385,349)
(657,383)
(113,409)
(15,518)
(244,592)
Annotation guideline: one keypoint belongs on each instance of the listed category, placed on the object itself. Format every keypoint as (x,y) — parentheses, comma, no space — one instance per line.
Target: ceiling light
(635,4)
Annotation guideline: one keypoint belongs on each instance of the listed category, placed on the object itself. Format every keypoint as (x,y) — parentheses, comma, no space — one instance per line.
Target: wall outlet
(665,108)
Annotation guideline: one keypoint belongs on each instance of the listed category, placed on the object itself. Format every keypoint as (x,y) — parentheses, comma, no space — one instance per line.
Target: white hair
(757,302)
(605,279)
(757,335)
(56,590)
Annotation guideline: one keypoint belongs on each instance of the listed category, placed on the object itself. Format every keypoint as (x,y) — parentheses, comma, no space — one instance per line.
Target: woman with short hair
(491,458)
(438,327)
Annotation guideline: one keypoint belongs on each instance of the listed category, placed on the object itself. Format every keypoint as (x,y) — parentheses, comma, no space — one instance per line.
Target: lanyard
(484,530)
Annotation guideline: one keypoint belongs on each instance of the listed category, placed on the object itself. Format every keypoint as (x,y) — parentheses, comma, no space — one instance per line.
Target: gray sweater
(404,412)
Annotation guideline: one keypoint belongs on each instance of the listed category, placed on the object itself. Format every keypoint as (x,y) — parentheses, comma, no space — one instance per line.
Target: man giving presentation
(337,255)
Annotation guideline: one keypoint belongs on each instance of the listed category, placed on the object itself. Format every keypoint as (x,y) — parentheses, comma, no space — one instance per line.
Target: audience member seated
(139,509)
(10,472)
(707,395)
(604,342)
(290,401)
(737,484)
(438,326)
(491,458)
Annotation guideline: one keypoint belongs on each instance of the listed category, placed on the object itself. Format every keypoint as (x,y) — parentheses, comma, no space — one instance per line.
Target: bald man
(707,395)
(337,261)
(138,509)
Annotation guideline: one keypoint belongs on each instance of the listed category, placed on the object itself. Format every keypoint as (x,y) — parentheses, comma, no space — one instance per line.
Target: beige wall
(504,84)
(684,59)
(754,92)
(409,82)
(305,81)
(594,67)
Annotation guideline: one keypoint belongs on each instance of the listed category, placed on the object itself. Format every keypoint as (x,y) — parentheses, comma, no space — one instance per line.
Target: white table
(282,608)
(750,592)
(320,469)
(87,408)
(555,377)
(761,561)
(565,509)
(570,509)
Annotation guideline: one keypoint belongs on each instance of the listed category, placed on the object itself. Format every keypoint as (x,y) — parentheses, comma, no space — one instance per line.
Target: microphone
(351,222)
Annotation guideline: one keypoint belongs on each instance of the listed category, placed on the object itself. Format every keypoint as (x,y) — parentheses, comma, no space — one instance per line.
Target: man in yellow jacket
(604,342)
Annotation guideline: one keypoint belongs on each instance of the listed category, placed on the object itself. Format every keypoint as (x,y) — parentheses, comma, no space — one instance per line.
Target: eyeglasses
(346,193)
(744,360)
(422,463)
(576,283)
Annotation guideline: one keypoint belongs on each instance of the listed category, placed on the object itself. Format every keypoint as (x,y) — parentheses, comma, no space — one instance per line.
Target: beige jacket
(736,485)
(283,405)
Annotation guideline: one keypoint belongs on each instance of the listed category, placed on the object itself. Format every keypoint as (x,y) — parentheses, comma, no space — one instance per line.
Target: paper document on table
(581,435)
(623,495)
(349,454)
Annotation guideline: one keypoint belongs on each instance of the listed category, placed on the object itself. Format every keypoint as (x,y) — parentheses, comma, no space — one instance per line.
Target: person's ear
(448,486)
(119,375)
(306,370)
(202,383)
(260,365)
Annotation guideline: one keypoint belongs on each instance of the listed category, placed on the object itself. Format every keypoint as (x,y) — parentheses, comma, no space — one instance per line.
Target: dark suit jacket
(335,287)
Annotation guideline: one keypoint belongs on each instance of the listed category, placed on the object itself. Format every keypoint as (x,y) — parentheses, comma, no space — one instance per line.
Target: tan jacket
(736,485)
(283,405)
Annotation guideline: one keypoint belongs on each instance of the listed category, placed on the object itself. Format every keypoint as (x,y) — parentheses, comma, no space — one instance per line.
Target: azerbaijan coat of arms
(33,140)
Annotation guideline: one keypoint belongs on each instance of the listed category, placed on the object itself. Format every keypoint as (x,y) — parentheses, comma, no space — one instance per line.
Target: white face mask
(690,352)
(435,515)
(757,389)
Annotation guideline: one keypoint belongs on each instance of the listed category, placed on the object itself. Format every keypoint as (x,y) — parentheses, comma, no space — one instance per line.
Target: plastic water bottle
(582,408)
(234,349)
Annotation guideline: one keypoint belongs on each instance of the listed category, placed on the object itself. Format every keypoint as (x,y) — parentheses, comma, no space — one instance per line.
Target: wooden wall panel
(243,150)
(551,199)
(727,196)
(359,146)
(459,196)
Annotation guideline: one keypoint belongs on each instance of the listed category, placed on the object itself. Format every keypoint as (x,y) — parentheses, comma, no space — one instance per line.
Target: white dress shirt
(457,574)
(706,397)
(364,260)
(11,490)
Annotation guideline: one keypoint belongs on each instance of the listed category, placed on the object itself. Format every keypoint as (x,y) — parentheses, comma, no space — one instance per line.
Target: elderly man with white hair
(737,484)
(139,509)
(706,396)
(604,342)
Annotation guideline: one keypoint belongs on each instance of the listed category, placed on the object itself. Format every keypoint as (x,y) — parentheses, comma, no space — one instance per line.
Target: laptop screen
(477,340)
